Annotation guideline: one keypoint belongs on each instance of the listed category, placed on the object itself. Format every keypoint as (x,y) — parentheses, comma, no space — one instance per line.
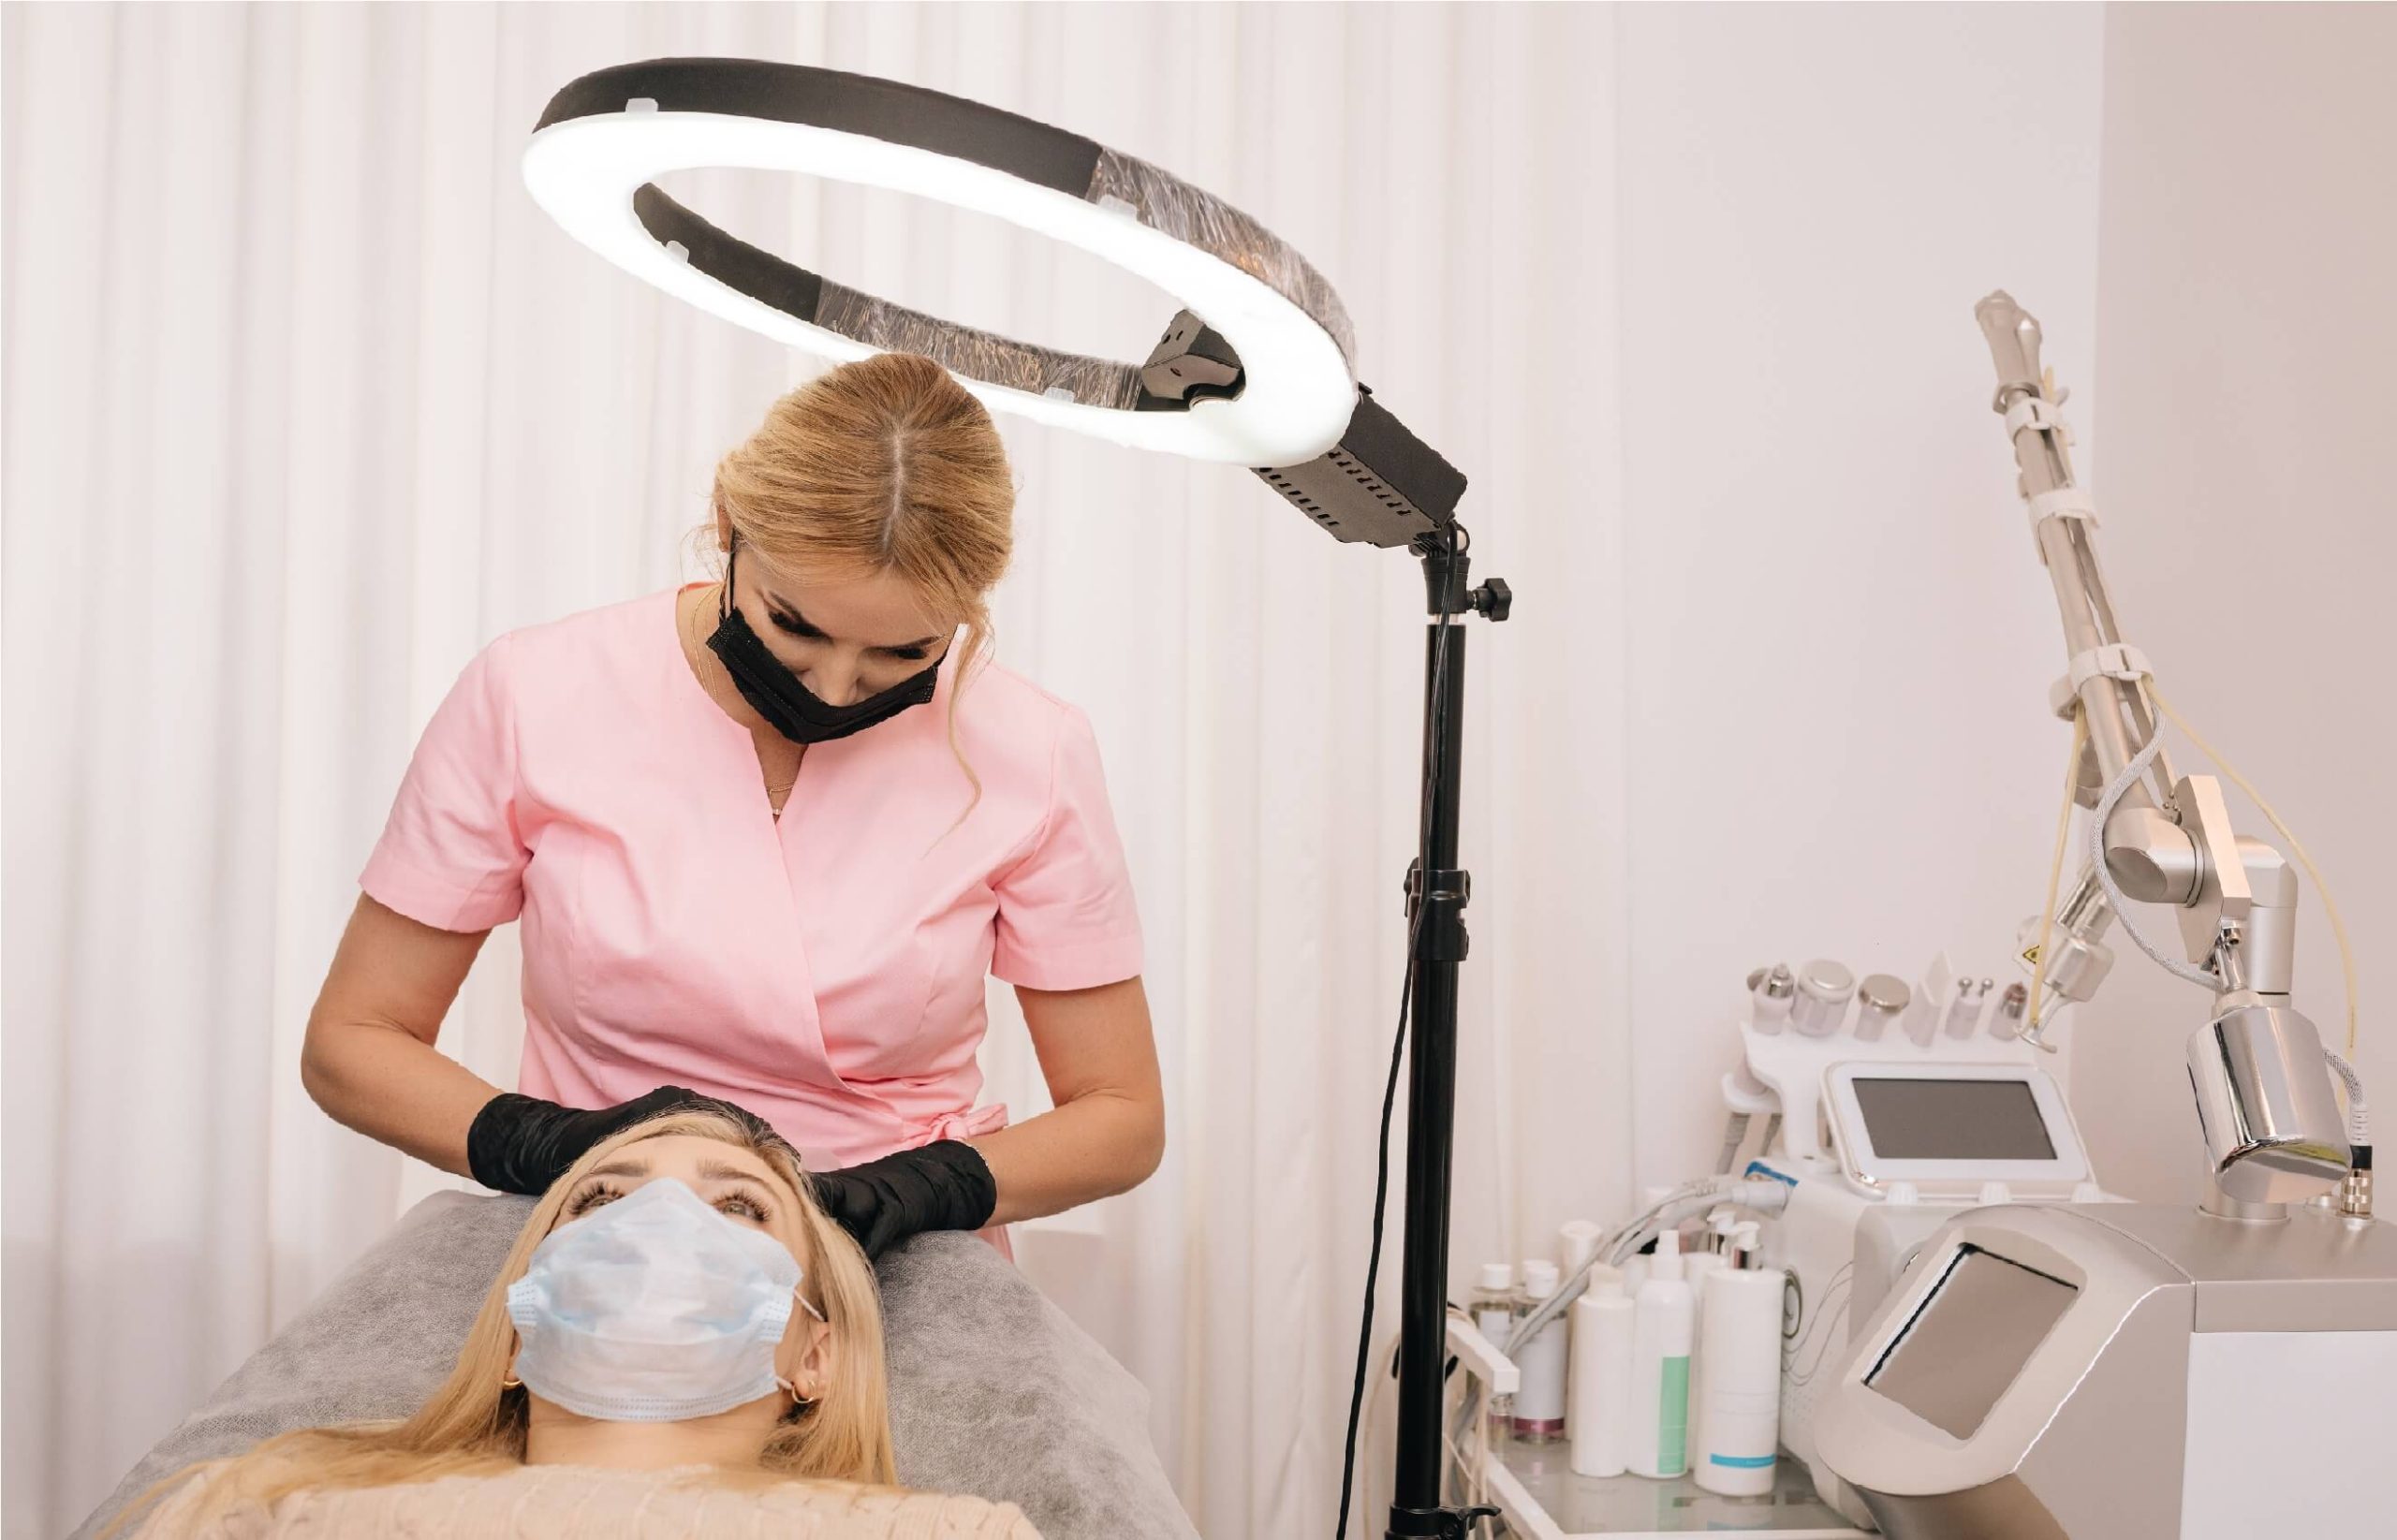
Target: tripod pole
(1434,880)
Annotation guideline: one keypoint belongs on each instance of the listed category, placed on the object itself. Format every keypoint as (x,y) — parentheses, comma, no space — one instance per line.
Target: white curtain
(305,401)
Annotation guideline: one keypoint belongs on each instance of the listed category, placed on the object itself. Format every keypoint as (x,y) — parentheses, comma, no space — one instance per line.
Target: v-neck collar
(682,665)
(735,733)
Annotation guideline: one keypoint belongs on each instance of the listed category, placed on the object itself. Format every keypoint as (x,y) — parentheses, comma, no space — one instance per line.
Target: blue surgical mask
(655,1308)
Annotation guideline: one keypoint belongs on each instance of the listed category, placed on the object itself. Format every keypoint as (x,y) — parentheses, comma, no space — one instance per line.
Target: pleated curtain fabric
(305,401)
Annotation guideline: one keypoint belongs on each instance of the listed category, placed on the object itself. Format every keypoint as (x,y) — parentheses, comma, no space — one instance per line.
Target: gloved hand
(946,1185)
(522,1144)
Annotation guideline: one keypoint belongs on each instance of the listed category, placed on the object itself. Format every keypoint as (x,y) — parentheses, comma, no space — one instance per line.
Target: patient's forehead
(709,1168)
(688,1155)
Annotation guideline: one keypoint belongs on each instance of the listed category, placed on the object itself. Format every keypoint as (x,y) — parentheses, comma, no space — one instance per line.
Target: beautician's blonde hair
(885,464)
(472,1425)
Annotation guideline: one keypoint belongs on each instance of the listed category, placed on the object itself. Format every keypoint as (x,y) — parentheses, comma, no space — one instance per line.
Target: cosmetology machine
(1979,1343)
(1886,1110)
(2128,1370)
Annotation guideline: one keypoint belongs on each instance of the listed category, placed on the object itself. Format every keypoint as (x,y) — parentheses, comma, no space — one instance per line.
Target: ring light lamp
(1256,370)
(604,139)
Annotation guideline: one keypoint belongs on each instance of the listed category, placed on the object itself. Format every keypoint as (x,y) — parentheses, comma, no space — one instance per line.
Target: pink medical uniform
(826,972)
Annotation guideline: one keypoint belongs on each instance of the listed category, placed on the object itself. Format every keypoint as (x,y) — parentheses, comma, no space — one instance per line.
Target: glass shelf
(1631,1505)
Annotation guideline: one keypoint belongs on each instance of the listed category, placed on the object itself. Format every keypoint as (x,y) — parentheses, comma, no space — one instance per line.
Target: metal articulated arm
(2265,1107)
(2167,840)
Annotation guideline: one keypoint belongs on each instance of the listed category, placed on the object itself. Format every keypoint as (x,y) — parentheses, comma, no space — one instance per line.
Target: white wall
(1840,637)
(2246,330)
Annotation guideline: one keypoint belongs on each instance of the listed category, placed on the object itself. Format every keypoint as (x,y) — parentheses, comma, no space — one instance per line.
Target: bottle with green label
(1661,1326)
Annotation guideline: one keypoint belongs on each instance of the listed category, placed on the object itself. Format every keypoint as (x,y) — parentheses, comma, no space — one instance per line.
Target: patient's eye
(744,1205)
(591,1197)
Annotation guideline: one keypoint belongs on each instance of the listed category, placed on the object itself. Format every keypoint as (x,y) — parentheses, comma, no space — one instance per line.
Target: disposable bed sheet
(992,1390)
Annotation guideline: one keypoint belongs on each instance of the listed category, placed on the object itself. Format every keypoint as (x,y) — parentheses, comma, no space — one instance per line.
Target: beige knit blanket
(555,1502)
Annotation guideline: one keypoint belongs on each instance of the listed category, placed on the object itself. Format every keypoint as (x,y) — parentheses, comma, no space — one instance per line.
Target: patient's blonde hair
(472,1425)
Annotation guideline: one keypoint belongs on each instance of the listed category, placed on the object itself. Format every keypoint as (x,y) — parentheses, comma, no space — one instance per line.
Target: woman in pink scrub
(765,838)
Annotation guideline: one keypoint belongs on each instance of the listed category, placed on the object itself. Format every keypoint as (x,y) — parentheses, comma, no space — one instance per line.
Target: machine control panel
(1953,1127)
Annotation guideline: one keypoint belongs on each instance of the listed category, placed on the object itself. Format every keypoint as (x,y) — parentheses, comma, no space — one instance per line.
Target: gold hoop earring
(511,1383)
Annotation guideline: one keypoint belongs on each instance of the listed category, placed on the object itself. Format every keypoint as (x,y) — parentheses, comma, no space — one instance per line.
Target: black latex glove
(522,1144)
(943,1186)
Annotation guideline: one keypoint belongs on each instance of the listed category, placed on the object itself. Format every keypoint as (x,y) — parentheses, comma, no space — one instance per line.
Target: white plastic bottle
(1540,1402)
(1493,1315)
(1576,1242)
(1739,1423)
(1660,1341)
(1600,1399)
(1712,1252)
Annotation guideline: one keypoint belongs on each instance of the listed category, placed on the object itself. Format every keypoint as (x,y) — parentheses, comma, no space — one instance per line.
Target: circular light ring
(605,138)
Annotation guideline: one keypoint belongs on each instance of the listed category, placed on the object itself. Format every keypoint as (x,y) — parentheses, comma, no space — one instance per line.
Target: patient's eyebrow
(716,1170)
(629,1168)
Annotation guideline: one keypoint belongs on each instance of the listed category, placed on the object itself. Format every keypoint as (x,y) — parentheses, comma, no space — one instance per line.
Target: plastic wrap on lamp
(1196,217)
(892,328)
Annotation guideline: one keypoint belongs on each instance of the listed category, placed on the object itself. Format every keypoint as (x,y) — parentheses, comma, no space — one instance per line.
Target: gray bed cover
(992,1390)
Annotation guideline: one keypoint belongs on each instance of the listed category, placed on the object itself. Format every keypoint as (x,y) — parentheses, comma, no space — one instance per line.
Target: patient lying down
(679,1346)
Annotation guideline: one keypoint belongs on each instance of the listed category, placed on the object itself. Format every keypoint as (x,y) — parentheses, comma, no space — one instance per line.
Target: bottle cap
(1576,1241)
(1540,1277)
(1668,1262)
(1498,1275)
(1744,1245)
(1605,1280)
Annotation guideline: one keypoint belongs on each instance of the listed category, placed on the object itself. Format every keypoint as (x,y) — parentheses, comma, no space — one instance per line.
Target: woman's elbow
(1147,1145)
(320,1076)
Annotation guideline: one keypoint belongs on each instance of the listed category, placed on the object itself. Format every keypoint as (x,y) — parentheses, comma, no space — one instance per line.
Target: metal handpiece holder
(2272,1132)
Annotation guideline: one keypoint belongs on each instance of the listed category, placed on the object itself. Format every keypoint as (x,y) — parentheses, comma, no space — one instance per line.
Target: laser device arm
(2263,1088)
(2167,840)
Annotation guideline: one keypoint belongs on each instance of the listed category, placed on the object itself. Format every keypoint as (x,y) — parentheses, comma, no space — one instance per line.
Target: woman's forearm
(1093,1147)
(390,1085)
(1098,1053)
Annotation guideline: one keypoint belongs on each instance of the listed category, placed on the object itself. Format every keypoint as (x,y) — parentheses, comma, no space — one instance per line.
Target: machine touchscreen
(1952,1120)
(1970,1338)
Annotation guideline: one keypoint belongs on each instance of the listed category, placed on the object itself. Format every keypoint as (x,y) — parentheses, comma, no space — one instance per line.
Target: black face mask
(789,706)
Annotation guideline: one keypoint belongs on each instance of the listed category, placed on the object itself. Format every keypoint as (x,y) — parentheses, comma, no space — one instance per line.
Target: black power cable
(1436,731)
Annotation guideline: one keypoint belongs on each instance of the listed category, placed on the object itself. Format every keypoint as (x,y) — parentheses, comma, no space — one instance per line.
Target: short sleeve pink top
(824,971)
